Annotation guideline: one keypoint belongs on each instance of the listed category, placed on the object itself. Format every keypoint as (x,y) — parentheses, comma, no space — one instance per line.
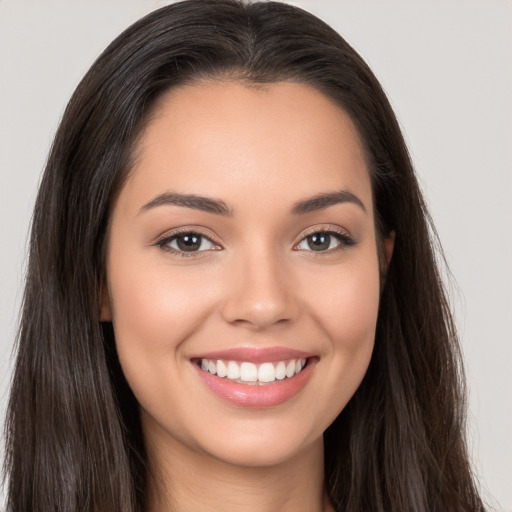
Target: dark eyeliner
(346,241)
(164,241)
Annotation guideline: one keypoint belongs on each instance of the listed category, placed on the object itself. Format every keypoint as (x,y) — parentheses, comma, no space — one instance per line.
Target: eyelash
(344,239)
(167,239)
(342,236)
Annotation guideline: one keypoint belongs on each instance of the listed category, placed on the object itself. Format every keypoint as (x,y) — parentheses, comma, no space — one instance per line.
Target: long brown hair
(74,441)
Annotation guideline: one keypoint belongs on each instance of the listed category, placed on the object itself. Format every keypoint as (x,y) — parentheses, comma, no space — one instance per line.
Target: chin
(257,456)
(264,445)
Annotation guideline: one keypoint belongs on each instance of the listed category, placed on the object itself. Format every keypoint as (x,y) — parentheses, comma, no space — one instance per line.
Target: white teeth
(266,372)
(253,373)
(280,371)
(290,369)
(222,371)
(248,372)
(233,370)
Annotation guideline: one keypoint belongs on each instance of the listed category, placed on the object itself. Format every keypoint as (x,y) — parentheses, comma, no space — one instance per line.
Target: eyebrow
(322,201)
(219,207)
(206,204)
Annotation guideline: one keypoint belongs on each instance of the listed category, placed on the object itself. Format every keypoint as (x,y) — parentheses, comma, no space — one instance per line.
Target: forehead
(224,139)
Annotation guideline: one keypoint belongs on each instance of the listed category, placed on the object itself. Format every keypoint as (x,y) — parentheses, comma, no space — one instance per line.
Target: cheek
(347,315)
(155,303)
(348,308)
(155,307)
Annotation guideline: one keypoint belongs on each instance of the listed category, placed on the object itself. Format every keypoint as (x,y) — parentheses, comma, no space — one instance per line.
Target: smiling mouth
(248,373)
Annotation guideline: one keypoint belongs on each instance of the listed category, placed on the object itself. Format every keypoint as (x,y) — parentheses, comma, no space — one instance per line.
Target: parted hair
(73,435)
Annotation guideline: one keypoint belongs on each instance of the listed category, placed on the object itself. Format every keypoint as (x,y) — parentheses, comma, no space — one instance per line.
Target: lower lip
(255,395)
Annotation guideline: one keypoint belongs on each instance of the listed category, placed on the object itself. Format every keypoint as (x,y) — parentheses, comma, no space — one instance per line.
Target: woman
(232,299)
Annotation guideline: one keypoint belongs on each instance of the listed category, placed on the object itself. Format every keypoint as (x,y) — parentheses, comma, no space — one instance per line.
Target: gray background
(446,68)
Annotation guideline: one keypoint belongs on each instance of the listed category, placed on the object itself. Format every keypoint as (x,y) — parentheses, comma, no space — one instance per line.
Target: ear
(104,303)
(388,244)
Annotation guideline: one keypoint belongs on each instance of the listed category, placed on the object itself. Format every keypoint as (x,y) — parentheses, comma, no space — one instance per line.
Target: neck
(185,480)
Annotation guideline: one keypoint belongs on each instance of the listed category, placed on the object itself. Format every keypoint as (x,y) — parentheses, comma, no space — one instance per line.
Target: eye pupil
(188,243)
(319,241)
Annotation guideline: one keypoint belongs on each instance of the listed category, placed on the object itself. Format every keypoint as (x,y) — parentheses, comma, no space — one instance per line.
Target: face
(243,271)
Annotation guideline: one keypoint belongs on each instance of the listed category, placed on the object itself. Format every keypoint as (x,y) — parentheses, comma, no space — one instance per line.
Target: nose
(261,293)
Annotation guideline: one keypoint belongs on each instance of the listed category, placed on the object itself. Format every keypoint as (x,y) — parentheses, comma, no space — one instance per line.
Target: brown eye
(319,241)
(325,241)
(187,243)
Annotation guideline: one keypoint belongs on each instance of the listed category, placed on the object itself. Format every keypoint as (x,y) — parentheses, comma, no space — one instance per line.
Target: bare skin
(264,273)
(204,484)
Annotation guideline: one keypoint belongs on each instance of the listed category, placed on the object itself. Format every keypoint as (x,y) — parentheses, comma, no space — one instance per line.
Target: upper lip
(255,355)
